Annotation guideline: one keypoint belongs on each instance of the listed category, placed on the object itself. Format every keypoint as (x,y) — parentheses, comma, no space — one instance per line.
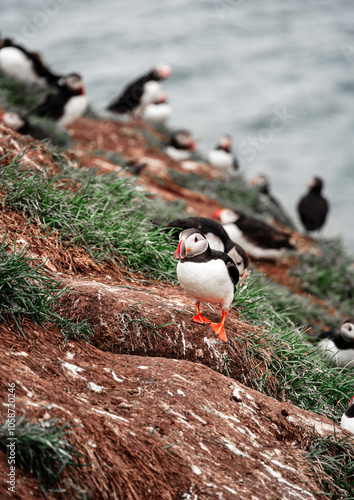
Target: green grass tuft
(103,214)
(332,461)
(25,291)
(43,449)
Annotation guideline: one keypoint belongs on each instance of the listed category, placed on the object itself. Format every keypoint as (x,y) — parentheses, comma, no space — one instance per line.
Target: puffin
(181,145)
(21,124)
(217,237)
(143,91)
(260,240)
(347,420)
(313,207)
(261,182)
(338,345)
(158,111)
(68,103)
(206,275)
(222,158)
(28,67)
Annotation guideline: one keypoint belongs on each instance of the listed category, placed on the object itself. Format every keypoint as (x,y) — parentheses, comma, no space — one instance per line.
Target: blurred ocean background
(278,76)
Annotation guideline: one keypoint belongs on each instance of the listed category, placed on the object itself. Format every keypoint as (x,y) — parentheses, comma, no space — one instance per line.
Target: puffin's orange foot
(219,330)
(199,318)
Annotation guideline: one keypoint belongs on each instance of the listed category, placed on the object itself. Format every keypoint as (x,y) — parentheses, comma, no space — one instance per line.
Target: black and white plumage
(261,182)
(260,240)
(181,145)
(222,158)
(67,104)
(347,420)
(28,67)
(206,275)
(337,346)
(141,92)
(158,111)
(21,124)
(313,207)
(217,237)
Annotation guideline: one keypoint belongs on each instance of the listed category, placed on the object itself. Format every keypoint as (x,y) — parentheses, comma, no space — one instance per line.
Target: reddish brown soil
(162,409)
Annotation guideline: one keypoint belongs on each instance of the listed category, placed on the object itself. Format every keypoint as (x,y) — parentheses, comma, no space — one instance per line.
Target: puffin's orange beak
(215,215)
(243,277)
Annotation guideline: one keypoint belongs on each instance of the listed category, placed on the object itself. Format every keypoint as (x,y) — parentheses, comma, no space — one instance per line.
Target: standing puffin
(206,275)
(260,240)
(20,123)
(217,237)
(347,420)
(141,92)
(222,157)
(181,145)
(338,345)
(158,111)
(313,207)
(68,104)
(28,67)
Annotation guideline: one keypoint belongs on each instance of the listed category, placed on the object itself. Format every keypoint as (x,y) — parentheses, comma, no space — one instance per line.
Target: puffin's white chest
(221,159)
(252,249)
(347,423)
(178,154)
(206,281)
(339,357)
(14,63)
(157,113)
(151,93)
(73,109)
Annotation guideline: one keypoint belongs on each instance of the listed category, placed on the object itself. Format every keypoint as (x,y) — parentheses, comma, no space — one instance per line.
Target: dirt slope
(158,403)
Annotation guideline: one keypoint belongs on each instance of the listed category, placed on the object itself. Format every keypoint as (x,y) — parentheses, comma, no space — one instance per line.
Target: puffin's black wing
(263,234)
(233,271)
(131,95)
(52,106)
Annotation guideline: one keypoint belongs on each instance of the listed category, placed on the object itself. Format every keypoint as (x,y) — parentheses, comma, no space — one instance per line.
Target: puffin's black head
(183,139)
(73,82)
(192,242)
(261,182)
(225,143)
(316,185)
(162,71)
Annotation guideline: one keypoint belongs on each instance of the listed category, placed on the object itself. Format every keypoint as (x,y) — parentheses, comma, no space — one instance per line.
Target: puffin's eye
(195,239)
(350,328)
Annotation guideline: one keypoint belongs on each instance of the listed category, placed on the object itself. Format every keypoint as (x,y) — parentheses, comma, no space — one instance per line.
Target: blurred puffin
(338,345)
(313,207)
(261,182)
(68,104)
(158,111)
(181,145)
(260,240)
(217,237)
(347,420)
(206,275)
(141,92)
(21,64)
(20,123)
(222,158)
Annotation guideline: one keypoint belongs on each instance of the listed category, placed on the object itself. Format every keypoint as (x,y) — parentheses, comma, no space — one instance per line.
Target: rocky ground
(160,408)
